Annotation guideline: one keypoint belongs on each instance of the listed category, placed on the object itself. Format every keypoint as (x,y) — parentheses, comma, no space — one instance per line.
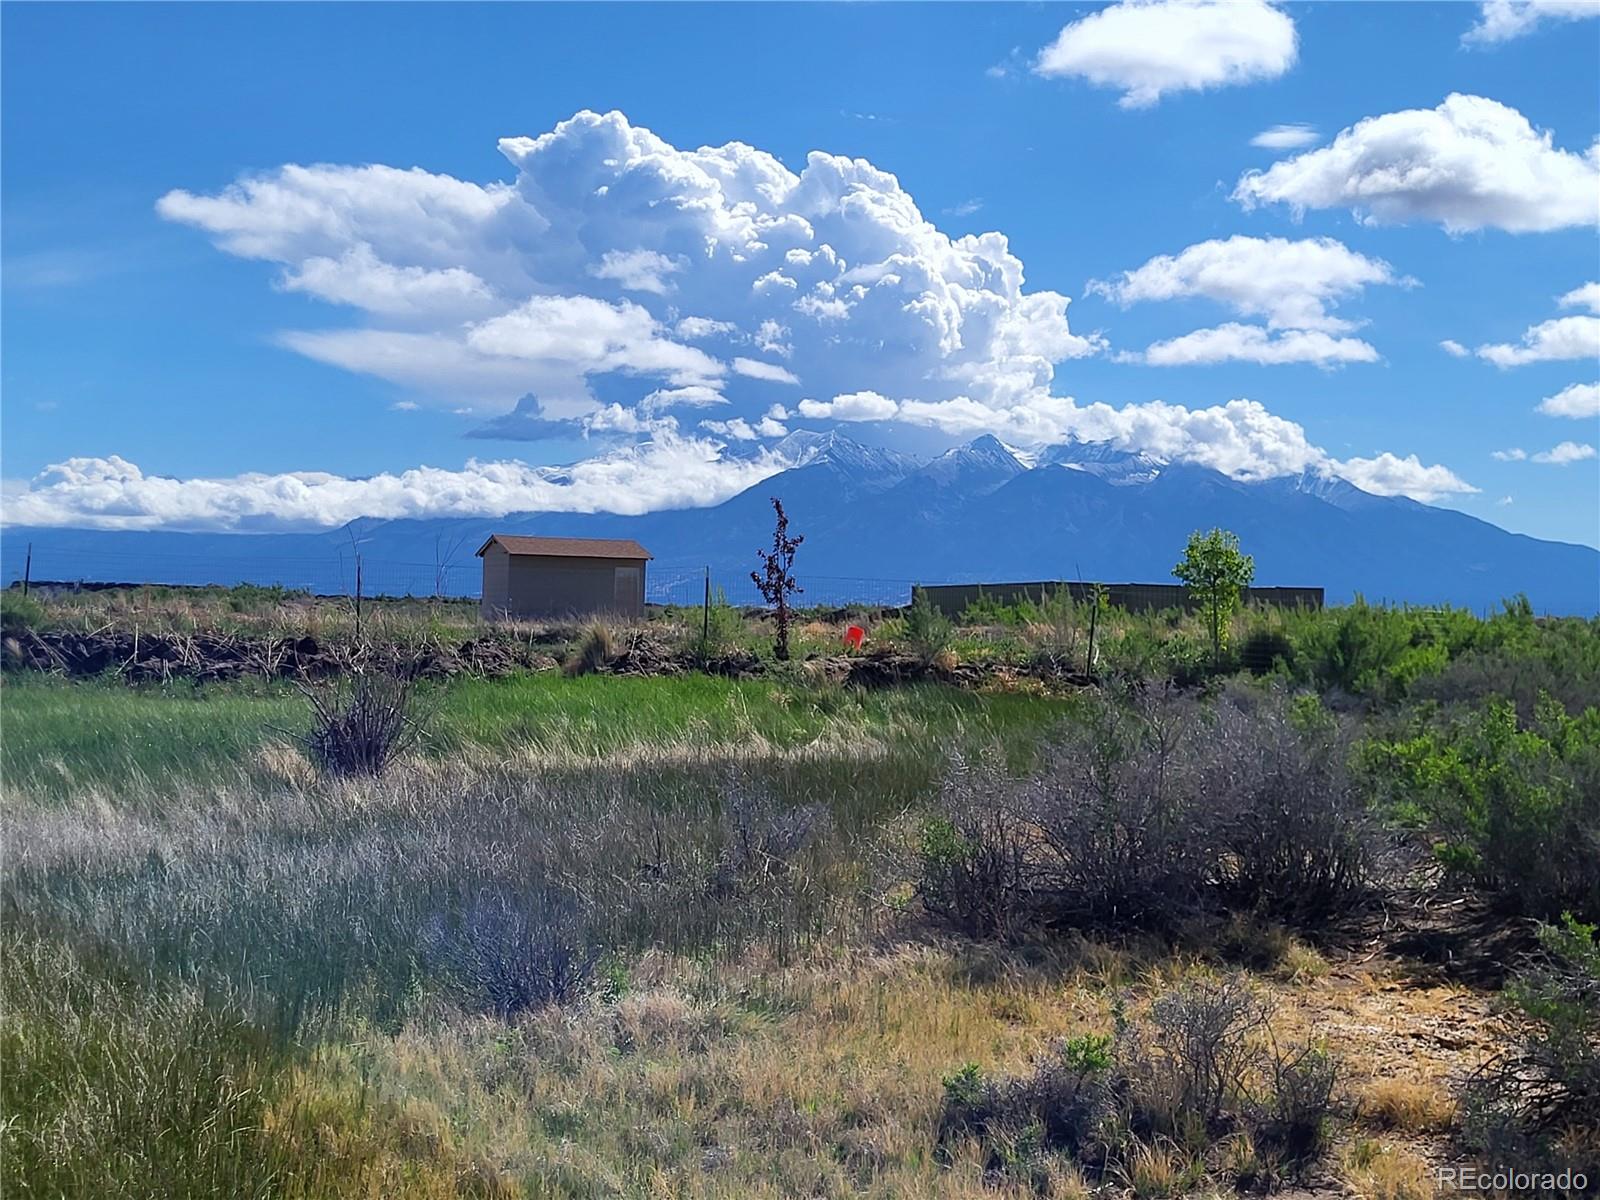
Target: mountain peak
(1104,459)
(871,466)
(981,465)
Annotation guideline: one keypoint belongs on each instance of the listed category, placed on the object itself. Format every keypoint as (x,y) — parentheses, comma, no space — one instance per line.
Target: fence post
(358,596)
(705,613)
(1094,618)
(27,569)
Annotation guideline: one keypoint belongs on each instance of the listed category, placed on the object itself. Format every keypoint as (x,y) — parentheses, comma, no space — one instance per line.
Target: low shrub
(1566,669)
(515,950)
(1514,809)
(1155,810)
(1266,649)
(1538,1103)
(1197,1085)
(974,872)
(716,628)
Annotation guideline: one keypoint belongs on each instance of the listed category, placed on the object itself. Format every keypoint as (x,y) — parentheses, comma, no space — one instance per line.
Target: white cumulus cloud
(1149,48)
(1472,163)
(1585,295)
(1234,342)
(1549,341)
(617,283)
(1502,20)
(1389,475)
(1241,438)
(1290,283)
(754,368)
(854,406)
(1454,348)
(638,270)
(1565,454)
(1286,137)
(1580,400)
(1555,340)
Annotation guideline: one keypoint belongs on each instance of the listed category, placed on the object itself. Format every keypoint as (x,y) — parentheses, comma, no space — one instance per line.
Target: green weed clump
(19,613)
(113,1090)
(927,630)
(717,629)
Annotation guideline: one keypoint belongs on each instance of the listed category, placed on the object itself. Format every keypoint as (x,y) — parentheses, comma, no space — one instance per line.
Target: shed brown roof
(560,547)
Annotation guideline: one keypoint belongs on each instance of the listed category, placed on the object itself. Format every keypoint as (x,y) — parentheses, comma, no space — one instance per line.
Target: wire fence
(335,575)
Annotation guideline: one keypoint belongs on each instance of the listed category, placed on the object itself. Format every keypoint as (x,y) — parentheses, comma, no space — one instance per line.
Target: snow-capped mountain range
(981,511)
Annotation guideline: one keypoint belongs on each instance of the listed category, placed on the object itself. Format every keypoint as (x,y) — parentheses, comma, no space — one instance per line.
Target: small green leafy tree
(776,577)
(1214,570)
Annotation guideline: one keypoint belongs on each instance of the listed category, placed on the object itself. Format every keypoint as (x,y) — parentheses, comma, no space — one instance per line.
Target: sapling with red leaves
(776,578)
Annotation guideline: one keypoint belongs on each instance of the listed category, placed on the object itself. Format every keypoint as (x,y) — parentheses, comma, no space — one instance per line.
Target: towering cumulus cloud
(615,252)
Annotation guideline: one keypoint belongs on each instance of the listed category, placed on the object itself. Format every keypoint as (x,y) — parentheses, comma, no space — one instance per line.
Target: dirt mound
(142,657)
(642,653)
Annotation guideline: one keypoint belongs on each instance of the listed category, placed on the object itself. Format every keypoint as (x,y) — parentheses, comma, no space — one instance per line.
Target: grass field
(61,735)
(676,936)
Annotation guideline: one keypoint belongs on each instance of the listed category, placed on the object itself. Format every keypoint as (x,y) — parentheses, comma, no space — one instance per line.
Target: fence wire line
(670,583)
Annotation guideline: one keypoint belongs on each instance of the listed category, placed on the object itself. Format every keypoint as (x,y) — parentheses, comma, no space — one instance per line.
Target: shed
(561,577)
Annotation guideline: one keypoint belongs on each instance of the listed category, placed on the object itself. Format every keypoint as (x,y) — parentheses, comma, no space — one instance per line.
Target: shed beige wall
(496,581)
(531,585)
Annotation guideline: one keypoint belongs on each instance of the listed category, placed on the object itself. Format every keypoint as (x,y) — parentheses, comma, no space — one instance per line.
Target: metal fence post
(27,569)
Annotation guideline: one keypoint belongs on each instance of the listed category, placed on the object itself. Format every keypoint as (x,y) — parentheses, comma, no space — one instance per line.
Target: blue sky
(295,351)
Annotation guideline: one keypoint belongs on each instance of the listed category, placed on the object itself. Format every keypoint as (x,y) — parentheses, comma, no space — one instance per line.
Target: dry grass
(1379,1171)
(1407,1105)
(817,1080)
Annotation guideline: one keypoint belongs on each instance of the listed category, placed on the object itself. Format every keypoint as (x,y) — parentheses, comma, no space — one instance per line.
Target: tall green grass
(61,736)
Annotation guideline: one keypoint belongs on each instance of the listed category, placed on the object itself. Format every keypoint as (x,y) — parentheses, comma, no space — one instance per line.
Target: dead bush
(1159,811)
(762,838)
(975,873)
(1121,827)
(1293,837)
(361,723)
(515,950)
(1190,1062)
